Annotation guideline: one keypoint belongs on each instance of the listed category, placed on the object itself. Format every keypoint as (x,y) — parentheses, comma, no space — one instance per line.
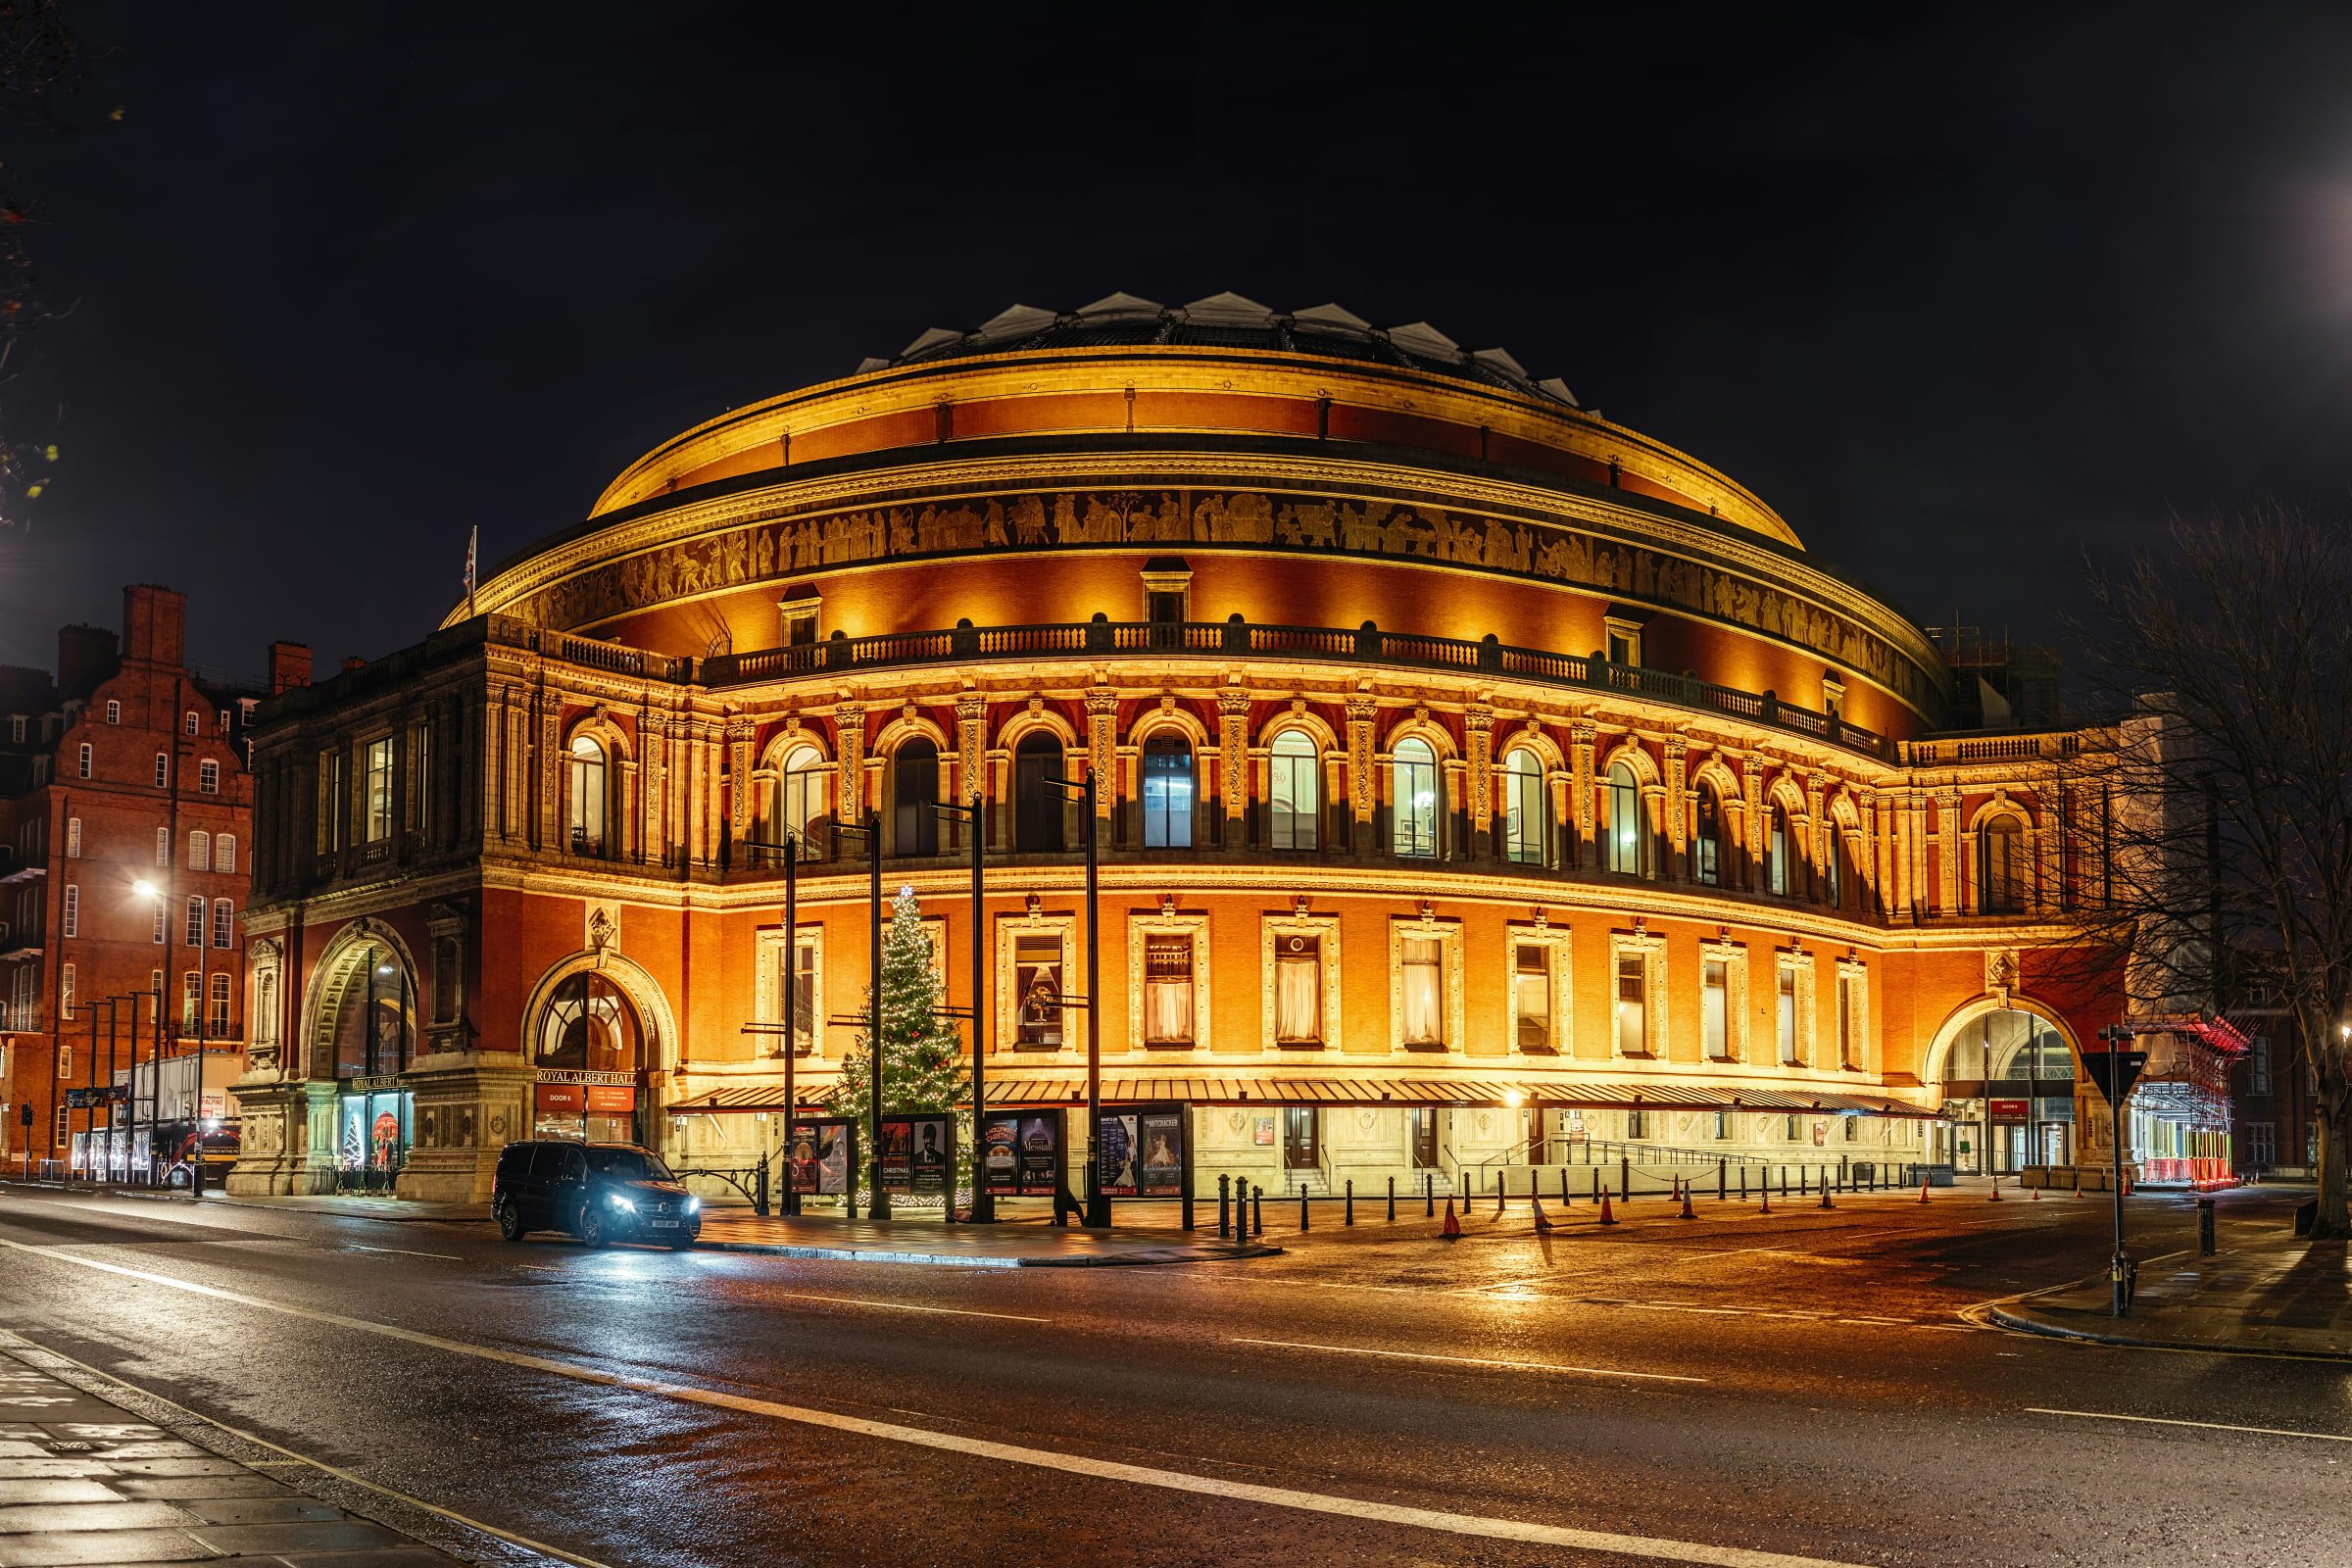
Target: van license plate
(665,1224)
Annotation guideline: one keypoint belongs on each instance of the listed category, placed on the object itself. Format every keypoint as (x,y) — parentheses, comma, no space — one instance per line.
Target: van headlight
(694,1205)
(620,1202)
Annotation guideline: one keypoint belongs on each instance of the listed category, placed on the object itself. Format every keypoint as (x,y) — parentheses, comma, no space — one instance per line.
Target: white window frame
(200,850)
(64,991)
(224,852)
(163,847)
(1559,986)
(1651,949)
(770,996)
(113,712)
(1325,928)
(190,722)
(70,923)
(208,777)
(162,770)
(1853,1021)
(224,923)
(1140,928)
(1733,955)
(73,838)
(83,760)
(1801,963)
(1010,931)
(194,914)
(1448,934)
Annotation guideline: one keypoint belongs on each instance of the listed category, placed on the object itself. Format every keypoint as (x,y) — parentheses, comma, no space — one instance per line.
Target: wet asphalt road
(1692,1391)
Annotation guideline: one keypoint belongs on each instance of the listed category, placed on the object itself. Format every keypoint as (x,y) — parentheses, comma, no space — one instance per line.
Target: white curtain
(1168,1011)
(1424,1009)
(1298,997)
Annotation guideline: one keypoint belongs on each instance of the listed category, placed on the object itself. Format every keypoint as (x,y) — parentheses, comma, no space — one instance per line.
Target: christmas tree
(923,1054)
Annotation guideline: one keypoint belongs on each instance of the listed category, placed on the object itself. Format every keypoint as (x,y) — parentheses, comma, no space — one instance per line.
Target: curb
(2060,1330)
(148,1195)
(1156,1256)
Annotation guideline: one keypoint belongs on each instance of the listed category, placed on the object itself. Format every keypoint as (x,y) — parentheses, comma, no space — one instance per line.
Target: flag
(473,542)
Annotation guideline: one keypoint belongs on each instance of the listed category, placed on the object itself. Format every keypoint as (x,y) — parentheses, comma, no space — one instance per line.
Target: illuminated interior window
(1415,798)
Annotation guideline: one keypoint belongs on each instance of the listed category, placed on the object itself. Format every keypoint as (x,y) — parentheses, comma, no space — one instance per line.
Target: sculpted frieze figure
(773,549)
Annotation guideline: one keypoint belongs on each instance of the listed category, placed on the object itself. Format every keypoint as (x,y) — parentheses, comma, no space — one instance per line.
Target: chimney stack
(289,666)
(155,625)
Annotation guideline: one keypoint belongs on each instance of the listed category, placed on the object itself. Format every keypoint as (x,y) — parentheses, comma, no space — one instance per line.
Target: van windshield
(629,1165)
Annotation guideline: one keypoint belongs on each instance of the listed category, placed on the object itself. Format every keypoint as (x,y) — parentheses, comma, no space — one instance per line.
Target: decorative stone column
(848,740)
(1677,811)
(1580,741)
(1232,763)
(1478,722)
(1101,742)
(1363,795)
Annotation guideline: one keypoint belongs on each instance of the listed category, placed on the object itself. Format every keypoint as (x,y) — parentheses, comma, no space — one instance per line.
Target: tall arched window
(1832,869)
(1038,811)
(800,801)
(914,791)
(1415,797)
(2001,864)
(1706,839)
(1295,792)
(1775,840)
(376,1022)
(584,794)
(1523,807)
(588,1027)
(1168,790)
(1625,846)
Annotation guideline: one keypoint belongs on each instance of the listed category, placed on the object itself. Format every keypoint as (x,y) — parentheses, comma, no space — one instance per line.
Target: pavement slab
(2264,1294)
(108,1488)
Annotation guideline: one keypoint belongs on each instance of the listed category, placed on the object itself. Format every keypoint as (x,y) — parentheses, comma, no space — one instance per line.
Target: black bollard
(1722,1178)
(1303,1218)
(1429,1195)
(1224,1207)
(1257,1210)
(1348,1215)
(1744,1183)
(1596,1180)
(1563,1186)
(1392,1200)
(1499,1194)
(759,1190)
(1804,1174)
(1625,1175)
(1784,1181)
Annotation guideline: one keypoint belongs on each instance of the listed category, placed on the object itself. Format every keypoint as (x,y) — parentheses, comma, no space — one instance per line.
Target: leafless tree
(2211,820)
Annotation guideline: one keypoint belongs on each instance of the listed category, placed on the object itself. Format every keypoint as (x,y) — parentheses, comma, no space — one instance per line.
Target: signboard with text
(1020,1152)
(1143,1151)
(2009,1109)
(820,1155)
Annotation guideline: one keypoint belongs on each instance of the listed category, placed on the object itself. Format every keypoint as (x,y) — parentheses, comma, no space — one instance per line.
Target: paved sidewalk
(1018,1243)
(2267,1295)
(84,1481)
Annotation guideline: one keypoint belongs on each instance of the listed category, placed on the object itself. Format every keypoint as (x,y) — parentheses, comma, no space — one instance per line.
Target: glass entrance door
(1425,1138)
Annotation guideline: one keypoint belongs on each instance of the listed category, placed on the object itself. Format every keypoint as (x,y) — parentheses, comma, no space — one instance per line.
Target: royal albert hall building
(1479,781)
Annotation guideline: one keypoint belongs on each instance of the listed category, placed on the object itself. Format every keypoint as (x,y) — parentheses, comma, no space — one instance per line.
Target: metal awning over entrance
(1582,1092)
(1597,1094)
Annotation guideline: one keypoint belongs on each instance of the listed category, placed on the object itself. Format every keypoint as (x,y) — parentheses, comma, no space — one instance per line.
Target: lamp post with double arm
(1098,1202)
(790,1050)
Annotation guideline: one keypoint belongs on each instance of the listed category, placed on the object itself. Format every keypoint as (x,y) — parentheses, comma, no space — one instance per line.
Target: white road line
(1480,1526)
(544,1268)
(2210,1426)
(449,1257)
(1470,1360)
(906,1306)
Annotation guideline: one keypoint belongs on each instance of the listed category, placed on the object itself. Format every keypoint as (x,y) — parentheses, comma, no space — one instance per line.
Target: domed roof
(1227,321)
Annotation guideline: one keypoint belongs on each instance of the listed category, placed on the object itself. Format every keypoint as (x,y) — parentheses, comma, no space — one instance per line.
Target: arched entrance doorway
(363,1030)
(2008,1081)
(589,1049)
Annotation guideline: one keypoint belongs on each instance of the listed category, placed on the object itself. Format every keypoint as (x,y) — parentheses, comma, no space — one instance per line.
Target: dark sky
(1957,294)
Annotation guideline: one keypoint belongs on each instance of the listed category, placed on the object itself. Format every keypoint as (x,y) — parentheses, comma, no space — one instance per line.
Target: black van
(601,1192)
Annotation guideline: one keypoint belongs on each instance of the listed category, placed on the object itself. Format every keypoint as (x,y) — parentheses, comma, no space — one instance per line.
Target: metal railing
(1365,644)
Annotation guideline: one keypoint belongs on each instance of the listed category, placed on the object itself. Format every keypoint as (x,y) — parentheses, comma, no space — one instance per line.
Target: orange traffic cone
(1825,1195)
(2037,1194)
(1685,1211)
(1606,1217)
(1996,1189)
(1542,1220)
(1453,1225)
(1923,1189)
(1766,1190)
(2077,1182)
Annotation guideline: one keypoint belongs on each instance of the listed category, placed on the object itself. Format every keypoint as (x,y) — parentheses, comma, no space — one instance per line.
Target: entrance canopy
(1600,1094)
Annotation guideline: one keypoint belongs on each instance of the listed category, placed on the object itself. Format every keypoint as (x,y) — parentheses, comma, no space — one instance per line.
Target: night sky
(1959,297)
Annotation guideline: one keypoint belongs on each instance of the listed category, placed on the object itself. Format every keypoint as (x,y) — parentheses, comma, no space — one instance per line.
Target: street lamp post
(879,1206)
(155,1078)
(790,1048)
(1097,1204)
(984,1202)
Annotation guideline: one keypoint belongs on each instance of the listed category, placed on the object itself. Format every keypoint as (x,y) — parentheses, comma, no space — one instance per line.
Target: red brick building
(125,852)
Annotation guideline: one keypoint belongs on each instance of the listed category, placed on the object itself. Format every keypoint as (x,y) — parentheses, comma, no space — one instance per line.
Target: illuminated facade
(1478,779)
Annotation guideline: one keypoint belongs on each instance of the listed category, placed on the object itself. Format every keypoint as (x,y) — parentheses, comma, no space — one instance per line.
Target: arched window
(225,852)
(2001,864)
(914,791)
(1832,870)
(1168,790)
(1522,806)
(1775,840)
(584,794)
(1706,839)
(1038,811)
(200,851)
(1295,794)
(376,1021)
(799,799)
(1625,846)
(588,1027)
(1414,798)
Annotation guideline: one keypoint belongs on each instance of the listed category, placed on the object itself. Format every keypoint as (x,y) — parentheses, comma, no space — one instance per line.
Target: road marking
(544,1268)
(906,1306)
(1480,1526)
(1471,1360)
(451,1257)
(294,1460)
(2211,1426)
